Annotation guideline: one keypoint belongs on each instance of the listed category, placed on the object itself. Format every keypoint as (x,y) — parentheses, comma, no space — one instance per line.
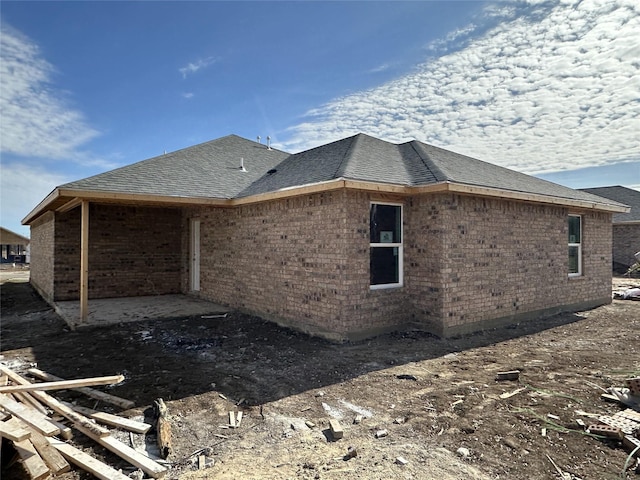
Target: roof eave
(71,198)
(75,197)
(41,207)
(536,198)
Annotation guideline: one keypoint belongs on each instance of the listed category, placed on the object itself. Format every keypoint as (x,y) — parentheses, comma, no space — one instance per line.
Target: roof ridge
(339,171)
(435,171)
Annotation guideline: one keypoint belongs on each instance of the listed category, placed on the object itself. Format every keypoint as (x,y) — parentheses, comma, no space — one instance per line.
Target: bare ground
(432,395)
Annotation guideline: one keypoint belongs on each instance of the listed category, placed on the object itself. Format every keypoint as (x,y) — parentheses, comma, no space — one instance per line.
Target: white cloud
(35,121)
(22,187)
(539,91)
(187,95)
(193,67)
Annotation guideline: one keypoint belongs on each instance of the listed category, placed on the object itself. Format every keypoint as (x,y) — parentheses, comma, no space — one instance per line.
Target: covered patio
(112,311)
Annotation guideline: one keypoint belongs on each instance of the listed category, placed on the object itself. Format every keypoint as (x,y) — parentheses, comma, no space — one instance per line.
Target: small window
(575,245)
(385,245)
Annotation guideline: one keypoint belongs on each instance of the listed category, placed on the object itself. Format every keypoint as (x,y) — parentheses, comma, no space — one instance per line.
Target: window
(385,247)
(575,245)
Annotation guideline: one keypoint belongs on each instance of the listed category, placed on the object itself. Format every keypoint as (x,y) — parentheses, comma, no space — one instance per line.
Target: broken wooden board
(163,428)
(31,461)
(33,417)
(27,399)
(62,385)
(89,392)
(86,462)
(54,459)
(14,431)
(111,420)
(510,375)
(127,453)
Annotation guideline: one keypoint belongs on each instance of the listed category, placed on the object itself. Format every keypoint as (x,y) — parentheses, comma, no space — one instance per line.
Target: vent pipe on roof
(268,142)
(258,138)
(242,169)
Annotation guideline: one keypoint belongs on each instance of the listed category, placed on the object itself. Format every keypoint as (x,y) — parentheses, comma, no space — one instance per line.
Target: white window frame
(579,246)
(398,245)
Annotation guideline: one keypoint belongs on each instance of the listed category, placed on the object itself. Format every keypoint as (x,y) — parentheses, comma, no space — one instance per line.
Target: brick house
(346,240)
(14,248)
(626,226)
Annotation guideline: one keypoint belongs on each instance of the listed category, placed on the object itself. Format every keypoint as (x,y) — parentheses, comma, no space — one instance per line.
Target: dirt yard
(432,396)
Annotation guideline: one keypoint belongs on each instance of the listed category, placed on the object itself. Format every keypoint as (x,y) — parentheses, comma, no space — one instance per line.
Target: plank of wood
(33,417)
(54,459)
(89,392)
(86,462)
(65,431)
(49,401)
(127,453)
(510,375)
(25,397)
(11,430)
(31,461)
(238,418)
(63,385)
(112,420)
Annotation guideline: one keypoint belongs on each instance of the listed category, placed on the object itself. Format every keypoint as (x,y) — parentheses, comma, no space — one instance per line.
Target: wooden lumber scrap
(89,392)
(54,460)
(11,430)
(31,461)
(86,462)
(163,428)
(33,417)
(48,400)
(26,398)
(62,385)
(510,375)
(127,453)
(111,420)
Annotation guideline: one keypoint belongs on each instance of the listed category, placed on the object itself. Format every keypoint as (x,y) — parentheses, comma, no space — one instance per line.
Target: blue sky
(546,88)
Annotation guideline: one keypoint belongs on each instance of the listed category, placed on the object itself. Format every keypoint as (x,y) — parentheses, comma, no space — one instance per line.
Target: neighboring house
(626,226)
(14,248)
(346,240)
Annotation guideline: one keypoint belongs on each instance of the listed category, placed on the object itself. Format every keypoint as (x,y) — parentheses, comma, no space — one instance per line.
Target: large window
(385,247)
(575,245)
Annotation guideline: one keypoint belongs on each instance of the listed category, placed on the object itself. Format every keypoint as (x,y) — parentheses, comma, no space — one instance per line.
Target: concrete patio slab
(109,311)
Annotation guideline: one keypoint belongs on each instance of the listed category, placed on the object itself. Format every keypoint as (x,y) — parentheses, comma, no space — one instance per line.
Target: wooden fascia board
(76,196)
(535,198)
(93,195)
(41,207)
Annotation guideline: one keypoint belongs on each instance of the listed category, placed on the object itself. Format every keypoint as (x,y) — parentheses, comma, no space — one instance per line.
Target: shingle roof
(210,170)
(414,163)
(624,195)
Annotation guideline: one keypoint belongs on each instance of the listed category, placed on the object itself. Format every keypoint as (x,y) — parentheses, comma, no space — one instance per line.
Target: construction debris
(27,423)
(163,428)
(336,429)
(510,375)
(623,426)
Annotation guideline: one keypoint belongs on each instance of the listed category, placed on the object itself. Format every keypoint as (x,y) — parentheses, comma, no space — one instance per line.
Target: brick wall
(284,260)
(469,262)
(132,251)
(626,243)
(489,261)
(42,248)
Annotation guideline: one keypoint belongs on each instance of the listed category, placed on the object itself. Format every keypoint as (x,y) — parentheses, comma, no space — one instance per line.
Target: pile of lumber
(40,426)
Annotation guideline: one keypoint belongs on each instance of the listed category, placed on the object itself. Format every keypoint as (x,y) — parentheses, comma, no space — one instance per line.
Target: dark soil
(432,395)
